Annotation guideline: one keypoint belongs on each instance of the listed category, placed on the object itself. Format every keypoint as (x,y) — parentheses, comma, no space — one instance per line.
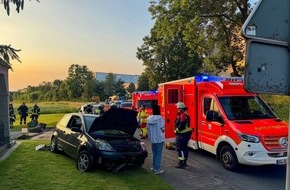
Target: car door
(62,130)
(209,131)
(73,138)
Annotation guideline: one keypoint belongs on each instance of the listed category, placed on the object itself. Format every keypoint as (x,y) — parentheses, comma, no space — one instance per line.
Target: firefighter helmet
(180,105)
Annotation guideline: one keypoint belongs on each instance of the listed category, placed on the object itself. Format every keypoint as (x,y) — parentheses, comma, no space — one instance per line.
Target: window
(245,107)
(64,121)
(172,96)
(75,122)
(210,105)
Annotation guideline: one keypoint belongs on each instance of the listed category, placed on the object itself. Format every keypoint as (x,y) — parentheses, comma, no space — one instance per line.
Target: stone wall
(4,108)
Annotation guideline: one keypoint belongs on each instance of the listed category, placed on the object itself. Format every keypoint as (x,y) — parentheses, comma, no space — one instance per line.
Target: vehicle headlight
(249,138)
(104,145)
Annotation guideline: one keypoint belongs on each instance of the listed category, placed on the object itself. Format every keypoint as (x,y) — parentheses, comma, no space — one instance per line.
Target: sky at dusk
(54,34)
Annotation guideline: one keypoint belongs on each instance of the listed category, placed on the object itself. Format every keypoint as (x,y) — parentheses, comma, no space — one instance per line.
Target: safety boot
(181,165)
(185,162)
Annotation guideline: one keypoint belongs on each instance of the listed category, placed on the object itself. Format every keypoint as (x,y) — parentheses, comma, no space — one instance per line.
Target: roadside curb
(7,153)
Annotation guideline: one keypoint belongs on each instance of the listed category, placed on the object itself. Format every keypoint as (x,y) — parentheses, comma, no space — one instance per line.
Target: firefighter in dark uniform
(183,134)
(23,112)
(35,112)
(11,115)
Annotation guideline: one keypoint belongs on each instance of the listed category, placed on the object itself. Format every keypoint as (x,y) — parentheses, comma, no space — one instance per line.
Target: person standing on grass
(35,112)
(155,127)
(23,112)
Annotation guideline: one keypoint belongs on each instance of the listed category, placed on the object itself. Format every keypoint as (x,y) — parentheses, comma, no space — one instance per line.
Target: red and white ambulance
(147,98)
(231,123)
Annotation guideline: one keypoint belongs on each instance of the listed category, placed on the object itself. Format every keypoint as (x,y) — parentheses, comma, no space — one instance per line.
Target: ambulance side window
(210,105)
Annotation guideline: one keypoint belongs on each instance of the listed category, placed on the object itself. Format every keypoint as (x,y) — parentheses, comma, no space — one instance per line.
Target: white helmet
(180,105)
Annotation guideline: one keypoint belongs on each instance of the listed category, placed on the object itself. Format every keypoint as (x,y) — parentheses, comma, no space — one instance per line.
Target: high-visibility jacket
(142,116)
(182,124)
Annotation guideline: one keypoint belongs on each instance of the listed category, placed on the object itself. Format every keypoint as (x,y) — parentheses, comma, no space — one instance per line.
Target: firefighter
(23,112)
(183,133)
(11,115)
(89,109)
(142,119)
(35,112)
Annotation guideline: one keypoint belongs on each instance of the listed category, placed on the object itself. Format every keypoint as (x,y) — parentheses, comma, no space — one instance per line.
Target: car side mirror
(220,119)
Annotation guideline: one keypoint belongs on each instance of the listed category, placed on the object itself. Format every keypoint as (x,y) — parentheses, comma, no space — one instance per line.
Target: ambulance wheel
(228,158)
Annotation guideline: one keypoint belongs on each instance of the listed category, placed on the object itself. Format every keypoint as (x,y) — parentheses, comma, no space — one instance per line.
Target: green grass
(50,112)
(49,119)
(52,107)
(26,168)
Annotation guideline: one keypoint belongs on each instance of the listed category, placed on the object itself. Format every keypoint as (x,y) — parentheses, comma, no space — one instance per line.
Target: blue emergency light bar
(208,78)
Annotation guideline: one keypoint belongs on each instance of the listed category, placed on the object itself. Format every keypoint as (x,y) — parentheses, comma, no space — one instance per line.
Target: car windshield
(89,119)
(245,107)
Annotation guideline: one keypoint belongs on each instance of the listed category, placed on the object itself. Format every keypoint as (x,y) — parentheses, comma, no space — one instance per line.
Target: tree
(119,86)
(18,3)
(7,53)
(165,55)
(89,90)
(131,88)
(214,31)
(143,84)
(200,30)
(112,86)
(100,90)
(77,78)
(109,84)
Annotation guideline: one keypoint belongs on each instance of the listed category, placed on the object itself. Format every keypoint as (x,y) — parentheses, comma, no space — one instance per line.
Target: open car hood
(116,119)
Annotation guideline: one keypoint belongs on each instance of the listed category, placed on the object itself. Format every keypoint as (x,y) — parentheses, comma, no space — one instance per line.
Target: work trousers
(143,129)
(182,145)
(23,118)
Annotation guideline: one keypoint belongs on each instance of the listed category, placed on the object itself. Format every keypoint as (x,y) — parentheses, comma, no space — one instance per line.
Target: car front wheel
(53,146)
(84,161)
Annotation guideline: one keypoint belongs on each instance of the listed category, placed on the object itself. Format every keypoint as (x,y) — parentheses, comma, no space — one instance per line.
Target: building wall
(101,76)
(4,108)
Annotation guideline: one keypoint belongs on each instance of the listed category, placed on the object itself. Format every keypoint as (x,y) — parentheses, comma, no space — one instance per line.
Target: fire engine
(147,98)
(227,121)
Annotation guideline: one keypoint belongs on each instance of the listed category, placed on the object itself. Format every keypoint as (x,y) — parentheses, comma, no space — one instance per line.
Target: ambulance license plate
(281,162)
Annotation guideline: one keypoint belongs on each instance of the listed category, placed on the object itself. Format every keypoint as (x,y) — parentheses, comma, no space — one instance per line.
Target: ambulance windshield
(245,107)
(148,103)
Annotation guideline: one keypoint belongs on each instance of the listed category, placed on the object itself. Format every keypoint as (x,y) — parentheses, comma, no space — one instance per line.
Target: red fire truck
(227,121)
(148,98)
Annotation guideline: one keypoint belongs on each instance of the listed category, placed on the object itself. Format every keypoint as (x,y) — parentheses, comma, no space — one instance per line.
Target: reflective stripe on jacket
(182,124)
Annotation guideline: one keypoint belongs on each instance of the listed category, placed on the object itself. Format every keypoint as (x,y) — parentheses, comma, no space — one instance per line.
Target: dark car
(126,105)
(105,140)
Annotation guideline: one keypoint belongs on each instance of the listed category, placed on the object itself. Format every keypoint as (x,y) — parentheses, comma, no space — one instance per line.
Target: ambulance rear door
(173,93)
